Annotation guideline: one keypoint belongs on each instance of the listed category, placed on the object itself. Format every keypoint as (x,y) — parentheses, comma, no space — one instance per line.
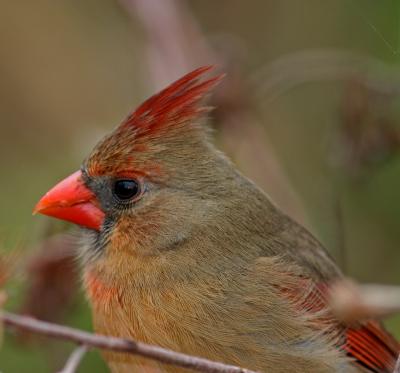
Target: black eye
(125,190)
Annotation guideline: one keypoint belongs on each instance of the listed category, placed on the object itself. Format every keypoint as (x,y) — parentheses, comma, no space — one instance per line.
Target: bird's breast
(99,292)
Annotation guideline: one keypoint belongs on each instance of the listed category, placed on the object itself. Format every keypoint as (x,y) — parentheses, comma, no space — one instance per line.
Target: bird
(181,250)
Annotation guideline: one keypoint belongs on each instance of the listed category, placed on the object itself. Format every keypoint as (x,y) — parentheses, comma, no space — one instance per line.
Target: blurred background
(309,110)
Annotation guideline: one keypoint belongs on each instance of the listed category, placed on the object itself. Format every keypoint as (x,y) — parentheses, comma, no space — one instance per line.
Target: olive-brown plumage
(184,252)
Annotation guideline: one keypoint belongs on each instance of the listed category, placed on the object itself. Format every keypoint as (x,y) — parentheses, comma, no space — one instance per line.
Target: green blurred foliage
(71,70)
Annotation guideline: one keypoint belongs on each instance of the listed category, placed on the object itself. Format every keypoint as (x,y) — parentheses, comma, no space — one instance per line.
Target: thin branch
(117,344)
(175,43)
(351,302)
(397,367)
(292,70)
(74,360)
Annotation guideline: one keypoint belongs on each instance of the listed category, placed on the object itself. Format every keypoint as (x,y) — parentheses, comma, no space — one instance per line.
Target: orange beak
(72,201)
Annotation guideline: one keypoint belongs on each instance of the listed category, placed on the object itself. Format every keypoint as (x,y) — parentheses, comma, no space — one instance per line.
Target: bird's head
(145,181)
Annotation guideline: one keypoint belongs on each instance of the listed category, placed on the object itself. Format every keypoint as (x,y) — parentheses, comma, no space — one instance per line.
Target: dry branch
(318,65)
(350,302)
(156,353)
(75,359)
(175,43)
(397,367)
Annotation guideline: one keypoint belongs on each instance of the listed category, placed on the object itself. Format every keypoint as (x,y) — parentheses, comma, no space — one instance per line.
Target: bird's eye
(127,189)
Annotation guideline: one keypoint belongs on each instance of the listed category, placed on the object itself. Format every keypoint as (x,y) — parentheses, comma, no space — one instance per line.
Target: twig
(118,344)
(397,367)
(175,43)
(350,302)
(74,360)
(292,70)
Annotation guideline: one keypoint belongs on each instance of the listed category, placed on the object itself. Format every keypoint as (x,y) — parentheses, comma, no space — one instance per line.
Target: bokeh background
(309,110)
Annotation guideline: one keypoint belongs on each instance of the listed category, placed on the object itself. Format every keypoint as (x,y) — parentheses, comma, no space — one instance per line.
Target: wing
(372,347)
(368,343)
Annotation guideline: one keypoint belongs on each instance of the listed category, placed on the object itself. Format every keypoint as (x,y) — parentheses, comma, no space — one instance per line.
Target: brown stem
(117,344)
(397,367)
(74,360)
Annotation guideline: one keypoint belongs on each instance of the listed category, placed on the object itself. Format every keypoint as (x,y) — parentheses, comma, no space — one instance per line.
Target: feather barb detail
(178,102)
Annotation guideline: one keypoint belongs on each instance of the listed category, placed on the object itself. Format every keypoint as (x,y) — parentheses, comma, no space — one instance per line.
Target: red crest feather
(174,104)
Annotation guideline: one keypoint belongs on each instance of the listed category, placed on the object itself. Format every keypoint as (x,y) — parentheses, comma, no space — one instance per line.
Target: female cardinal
(182,251)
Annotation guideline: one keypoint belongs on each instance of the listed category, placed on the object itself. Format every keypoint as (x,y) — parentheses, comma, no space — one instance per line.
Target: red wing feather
(369,344)
(372,347)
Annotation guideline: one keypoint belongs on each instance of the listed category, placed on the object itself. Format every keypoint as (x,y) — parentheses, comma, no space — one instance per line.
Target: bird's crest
(171,108)
(175,104)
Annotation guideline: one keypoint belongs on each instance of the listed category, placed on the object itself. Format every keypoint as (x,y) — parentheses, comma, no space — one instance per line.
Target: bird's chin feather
(93,243)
